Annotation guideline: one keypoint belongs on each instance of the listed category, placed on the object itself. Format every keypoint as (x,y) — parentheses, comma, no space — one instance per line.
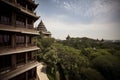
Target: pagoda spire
(43,31)
(41,26)
(68,37)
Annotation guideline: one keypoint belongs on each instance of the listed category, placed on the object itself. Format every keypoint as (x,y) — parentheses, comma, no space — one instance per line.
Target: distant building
(43,31)
(17,49)
(68,37)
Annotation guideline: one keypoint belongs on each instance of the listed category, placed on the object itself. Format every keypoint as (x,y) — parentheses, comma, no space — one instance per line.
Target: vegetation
(80,58)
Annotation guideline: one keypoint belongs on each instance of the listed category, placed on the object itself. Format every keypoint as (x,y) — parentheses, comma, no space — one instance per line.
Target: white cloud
(67,5)
(60,29)
(101,11)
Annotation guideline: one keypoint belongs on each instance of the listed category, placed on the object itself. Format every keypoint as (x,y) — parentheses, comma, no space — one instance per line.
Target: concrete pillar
(13,19)
(26,58)
(35,53)
(13,60)
(32,56)
(26,42)
(26,76)
(26,7)
(13,41)
(32,24)
(26,22)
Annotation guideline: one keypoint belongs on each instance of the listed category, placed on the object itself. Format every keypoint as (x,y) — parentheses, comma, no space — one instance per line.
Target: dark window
(21,3)
(20,40)
(29,40)
(32,73)
(5,40)
(29,56)
(20,21)
(4,19)
(34,54)
(20,77)
(20,58)
(5,62)
(30,24)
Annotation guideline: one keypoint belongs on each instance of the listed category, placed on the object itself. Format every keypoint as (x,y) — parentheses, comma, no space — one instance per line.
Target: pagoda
(44,33)
(17,40)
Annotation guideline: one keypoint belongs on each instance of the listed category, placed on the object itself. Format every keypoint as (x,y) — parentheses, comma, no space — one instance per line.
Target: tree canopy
(80,58)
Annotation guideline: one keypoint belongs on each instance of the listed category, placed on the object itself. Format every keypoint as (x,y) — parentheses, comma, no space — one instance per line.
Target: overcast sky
(81,18)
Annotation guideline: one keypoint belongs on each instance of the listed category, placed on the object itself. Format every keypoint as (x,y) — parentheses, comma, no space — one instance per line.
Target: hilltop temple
(44,33)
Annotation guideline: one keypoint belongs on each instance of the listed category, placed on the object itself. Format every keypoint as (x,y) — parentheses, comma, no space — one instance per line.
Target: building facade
(43,31)
(17,40)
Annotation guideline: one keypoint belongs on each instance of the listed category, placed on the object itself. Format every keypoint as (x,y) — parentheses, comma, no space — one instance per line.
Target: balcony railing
(20,6)
(30,26)
(5,20)
(5,70)
(20,23)
(30,11)
(31,1)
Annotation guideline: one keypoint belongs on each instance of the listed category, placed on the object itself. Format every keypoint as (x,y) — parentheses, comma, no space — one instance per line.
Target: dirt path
(41,71)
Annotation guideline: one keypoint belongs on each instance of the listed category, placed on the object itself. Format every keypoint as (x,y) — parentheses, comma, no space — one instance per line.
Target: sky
(95,19)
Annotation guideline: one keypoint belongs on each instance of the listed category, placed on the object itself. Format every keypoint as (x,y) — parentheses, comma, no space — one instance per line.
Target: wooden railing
(20,6)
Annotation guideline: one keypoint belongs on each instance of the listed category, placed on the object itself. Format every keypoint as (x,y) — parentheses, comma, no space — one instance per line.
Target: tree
(108,66)
(90,74)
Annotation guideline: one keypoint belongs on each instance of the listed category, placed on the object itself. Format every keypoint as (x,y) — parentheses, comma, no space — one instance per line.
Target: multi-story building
(43,31)
(17,40)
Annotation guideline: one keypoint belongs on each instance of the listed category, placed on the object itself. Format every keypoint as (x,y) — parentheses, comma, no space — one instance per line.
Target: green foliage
(80,43)
(47,42)
(108,65)
(50,73)
(98,52)
(80,59)
(51,57)
(90,74)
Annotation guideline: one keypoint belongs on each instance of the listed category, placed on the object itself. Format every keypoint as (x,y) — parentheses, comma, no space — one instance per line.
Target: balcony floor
(7,51)
(10,28)
(18,71)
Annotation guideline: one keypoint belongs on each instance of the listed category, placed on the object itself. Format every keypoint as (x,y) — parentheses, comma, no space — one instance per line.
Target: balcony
(19,70)
(32,2)
(10,50)
(20,24)
(21,8)
(19,29)
(27,9)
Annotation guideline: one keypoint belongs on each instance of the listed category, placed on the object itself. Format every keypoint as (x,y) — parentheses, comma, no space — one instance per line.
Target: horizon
(97,19)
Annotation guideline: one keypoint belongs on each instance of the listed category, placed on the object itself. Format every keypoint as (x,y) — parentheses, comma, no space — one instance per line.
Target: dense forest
(80,58)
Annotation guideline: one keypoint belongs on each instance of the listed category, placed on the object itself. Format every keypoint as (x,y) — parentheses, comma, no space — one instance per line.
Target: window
(29,56)
(20,77)
(5,40)
(34,54)
(29,39)
(20,21)
(30,25)
(20,58)
(20,39)
(5,62)
(32,73)
(4,19)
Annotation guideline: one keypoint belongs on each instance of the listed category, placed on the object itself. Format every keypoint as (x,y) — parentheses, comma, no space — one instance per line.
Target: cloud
(94,30)
(67,5)
(82,18)
(101,11)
